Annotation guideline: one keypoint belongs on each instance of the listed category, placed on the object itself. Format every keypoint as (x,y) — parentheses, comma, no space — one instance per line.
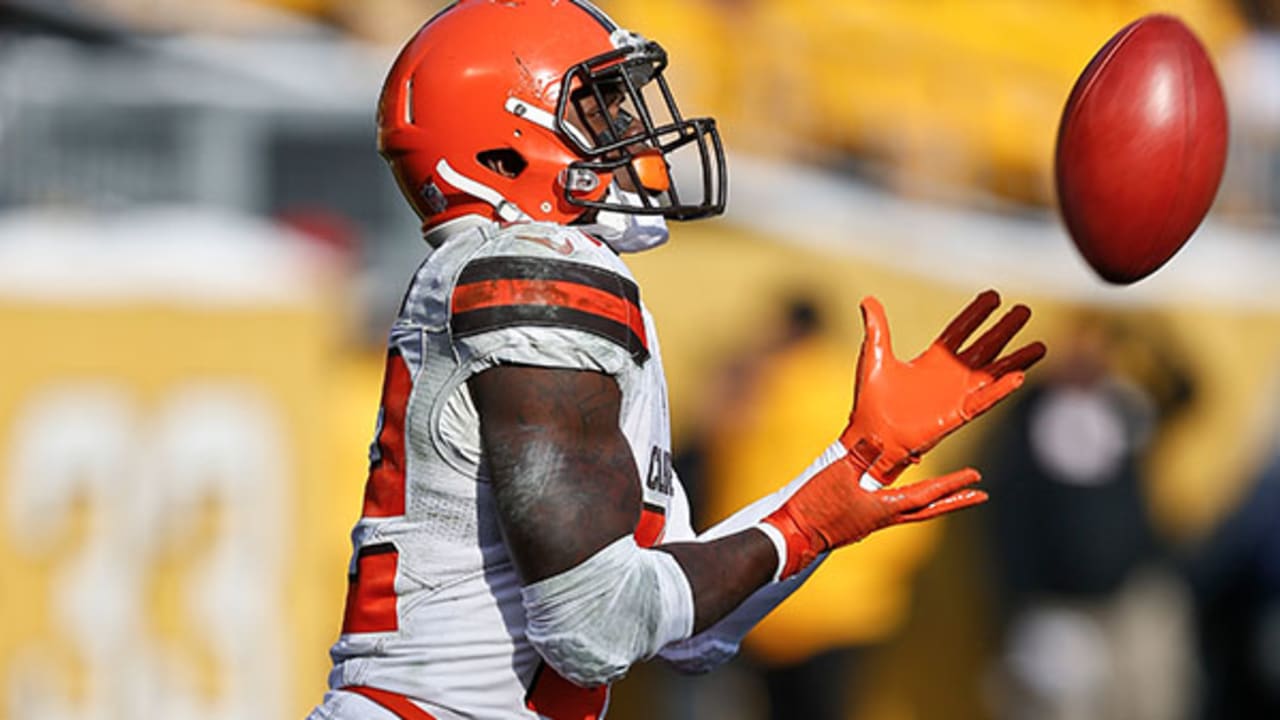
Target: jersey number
(371,593)
(384,491)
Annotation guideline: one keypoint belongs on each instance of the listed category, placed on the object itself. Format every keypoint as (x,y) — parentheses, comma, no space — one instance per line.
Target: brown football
(1141,148)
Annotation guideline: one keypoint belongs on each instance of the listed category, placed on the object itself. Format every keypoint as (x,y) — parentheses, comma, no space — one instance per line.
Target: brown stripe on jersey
(523,268)
(379,549)
(501,292)
(485,319)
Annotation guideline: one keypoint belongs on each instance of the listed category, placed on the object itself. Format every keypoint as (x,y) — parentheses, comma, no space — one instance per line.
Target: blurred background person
(1093,619)
(766,413)
(1236,579)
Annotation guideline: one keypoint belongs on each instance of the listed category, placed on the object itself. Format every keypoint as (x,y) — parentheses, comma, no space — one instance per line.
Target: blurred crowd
(196,232)
(1078,602)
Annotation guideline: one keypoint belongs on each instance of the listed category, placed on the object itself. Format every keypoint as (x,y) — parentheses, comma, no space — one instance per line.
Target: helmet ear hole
(504,161)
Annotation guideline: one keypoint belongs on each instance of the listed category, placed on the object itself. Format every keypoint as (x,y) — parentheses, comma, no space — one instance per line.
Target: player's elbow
(579,655)
(620,606)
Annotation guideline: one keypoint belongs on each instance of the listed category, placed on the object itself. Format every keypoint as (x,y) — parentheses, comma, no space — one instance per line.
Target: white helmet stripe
(544,119)
(507,210)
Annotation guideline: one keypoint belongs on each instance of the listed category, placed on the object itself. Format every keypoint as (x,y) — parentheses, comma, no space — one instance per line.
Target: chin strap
(506,210)
(628,232)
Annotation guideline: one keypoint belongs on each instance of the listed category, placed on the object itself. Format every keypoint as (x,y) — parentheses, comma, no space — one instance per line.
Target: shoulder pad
(552,241)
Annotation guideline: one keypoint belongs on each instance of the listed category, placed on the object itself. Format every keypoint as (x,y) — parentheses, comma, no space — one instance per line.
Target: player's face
(606,123)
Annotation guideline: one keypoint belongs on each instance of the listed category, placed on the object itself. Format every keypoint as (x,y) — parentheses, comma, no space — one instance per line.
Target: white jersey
(434,625)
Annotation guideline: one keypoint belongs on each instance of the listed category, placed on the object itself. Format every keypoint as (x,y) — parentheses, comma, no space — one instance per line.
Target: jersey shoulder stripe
(507,291)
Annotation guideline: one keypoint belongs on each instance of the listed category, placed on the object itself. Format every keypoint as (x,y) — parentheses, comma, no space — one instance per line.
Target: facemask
(624,232)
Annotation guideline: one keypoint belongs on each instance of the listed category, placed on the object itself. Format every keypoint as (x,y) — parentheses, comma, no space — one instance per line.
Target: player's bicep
(562,472)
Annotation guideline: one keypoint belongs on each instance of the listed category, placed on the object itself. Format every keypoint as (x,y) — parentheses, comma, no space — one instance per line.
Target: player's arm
(566,486)
(568,492)
(568,498)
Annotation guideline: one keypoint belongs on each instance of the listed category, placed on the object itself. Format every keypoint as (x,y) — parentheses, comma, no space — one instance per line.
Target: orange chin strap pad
(651,168)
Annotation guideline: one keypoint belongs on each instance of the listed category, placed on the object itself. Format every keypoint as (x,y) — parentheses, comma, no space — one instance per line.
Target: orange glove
(901,410)
(831,510)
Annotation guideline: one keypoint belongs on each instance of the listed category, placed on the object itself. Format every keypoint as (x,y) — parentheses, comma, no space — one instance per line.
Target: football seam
(1102,66)
(1068,122)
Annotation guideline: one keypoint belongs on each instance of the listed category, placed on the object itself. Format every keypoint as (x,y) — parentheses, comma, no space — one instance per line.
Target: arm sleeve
(720,642)
(594,620)
(625,604)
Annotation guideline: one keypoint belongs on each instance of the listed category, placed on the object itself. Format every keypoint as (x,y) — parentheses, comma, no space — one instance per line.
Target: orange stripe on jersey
(501,292)
(653,520)
(496,293)
(384,491)
(399,705)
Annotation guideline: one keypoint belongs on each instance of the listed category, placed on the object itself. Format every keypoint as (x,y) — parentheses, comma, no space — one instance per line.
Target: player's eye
(621,123)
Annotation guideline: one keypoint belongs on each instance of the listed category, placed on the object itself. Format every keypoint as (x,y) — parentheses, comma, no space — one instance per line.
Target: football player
(524,538)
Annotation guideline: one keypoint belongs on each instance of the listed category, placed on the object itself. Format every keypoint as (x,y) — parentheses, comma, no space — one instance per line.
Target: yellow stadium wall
(177,486)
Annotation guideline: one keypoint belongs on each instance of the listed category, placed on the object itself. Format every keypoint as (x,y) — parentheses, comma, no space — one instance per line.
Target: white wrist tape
(594,620)
(779,545)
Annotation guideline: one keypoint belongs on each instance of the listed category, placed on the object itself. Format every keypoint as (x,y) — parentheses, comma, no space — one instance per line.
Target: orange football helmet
(529,109)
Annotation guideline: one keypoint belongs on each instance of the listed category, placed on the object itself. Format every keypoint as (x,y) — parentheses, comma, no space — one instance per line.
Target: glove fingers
(1020,359)
(990,344)
(949,504)
(876,328)
(918,495)
(981,399)
(963,325)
